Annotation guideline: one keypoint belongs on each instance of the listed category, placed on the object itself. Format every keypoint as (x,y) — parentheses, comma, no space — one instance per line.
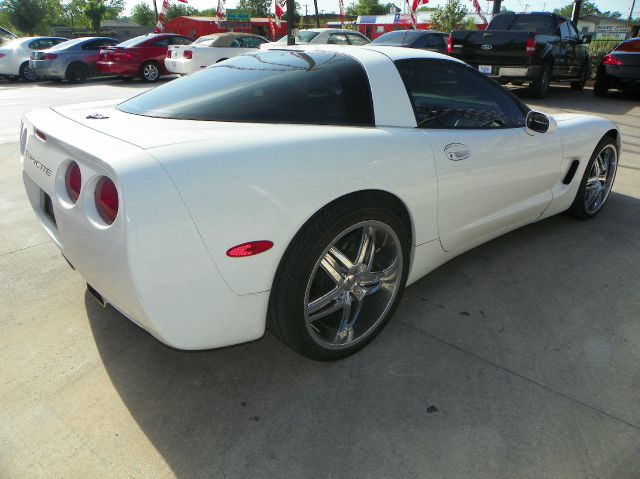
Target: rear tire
(600,88)
(325,309)
(149,72)
(540,86)
(26,73)
(597,181)
(579,85)
(77,73)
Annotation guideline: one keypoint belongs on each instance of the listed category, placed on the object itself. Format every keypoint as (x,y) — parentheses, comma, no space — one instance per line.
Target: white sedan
(300,189)
(14,56)
(205,51)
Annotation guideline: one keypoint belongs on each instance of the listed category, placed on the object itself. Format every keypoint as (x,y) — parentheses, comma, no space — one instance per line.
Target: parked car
(141,56)
(211,206)
(324,36)
(423,39)
(532,48)
(14,56)
(620,69)
(74,60)
(205,51)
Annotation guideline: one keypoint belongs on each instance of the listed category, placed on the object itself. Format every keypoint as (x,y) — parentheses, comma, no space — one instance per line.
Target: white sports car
(300,189)
(14,56)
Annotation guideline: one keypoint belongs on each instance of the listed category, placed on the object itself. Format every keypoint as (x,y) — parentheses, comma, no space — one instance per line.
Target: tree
(256,8)
(367,7)
(31,16)
(114,9)
(142,14)
(450,17)
(179,10)
(95,11)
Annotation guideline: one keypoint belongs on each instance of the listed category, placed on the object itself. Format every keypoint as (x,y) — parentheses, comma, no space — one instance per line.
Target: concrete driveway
(519,359)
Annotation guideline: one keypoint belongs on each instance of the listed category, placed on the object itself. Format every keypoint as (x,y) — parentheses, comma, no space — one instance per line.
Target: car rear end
(620,69)
(180,59)
(118,220)
(504,55)
(48,65)
(120,61)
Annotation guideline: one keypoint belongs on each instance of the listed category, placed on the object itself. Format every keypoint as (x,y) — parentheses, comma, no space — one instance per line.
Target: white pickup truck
(210,49)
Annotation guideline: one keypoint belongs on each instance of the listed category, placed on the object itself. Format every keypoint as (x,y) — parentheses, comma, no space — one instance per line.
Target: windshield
(272,86)
(304,36)
(134,42)
(401,37)
(67,44)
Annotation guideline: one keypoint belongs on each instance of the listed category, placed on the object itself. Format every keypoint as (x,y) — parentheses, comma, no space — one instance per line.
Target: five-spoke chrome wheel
(353,285)
(600,179)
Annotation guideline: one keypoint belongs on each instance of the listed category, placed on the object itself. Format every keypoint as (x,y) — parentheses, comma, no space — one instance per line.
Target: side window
(42,44)
(181,41)
(573,33)
(448,95)
(237,43)
(162,43)
(565,30)
(356,39)
(252,42)
(338,39)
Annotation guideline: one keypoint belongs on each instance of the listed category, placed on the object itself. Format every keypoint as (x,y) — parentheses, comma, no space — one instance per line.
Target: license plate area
(513,72)
(486,69)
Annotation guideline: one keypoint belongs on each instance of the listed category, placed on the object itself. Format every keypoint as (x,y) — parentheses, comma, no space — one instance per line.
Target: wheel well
(615,134)
(75,64)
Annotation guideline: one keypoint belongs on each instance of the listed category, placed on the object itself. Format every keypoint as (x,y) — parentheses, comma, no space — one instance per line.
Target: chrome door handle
(457,151)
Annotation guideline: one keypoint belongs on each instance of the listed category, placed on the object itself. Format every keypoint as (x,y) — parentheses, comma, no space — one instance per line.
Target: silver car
(73,60)
(328,36)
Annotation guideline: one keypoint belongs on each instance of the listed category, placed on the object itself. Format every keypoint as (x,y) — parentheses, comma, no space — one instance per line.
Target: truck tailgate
(495,47)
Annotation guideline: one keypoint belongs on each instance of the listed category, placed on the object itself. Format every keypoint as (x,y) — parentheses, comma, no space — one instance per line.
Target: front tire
(340,280)
(26,73)
(597,180)
(150,72)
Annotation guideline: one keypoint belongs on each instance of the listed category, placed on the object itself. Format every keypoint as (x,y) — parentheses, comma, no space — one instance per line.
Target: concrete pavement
(520,358)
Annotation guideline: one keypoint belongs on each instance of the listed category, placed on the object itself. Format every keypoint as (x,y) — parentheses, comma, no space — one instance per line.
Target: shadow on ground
(517,359)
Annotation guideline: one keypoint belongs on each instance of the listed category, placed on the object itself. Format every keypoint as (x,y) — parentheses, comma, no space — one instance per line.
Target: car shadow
(260,407)
(135,83)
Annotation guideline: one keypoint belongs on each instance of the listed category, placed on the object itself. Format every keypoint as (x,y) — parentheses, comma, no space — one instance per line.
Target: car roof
(330,30)
(362,53)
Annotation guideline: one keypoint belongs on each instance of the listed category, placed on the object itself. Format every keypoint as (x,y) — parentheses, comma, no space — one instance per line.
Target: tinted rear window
(266,86)
(630,46)
(541,24)
(136,41)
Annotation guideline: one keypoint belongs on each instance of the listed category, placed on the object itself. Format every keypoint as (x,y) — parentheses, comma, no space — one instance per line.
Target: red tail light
(2,55)
(40,135)
(50,56)
(611,60)
(249,249)
(73,181)
(107,202)
(530,48)
(168,53)
(187,54)
(449,45)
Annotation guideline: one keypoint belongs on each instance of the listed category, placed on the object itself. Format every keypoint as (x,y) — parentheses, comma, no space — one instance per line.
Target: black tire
(578,208)
(600,88)
(26,74)
(77,73)
(150,72)
(579,85)
(540,85)
(286,316)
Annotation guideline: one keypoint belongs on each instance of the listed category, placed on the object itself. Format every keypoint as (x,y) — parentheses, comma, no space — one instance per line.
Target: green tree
(142,14)
(95,11)
(367,7)
(587,8)
(451,17)
(114,9)
(31,16)
(256,8)
(179,10)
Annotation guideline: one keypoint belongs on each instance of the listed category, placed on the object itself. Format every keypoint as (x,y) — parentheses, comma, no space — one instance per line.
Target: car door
(492,174)
(569,45)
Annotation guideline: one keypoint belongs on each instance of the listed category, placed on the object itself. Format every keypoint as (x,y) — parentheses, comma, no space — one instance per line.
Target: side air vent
(571,172)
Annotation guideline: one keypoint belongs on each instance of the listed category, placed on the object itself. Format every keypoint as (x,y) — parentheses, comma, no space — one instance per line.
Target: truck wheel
(600,88)
(579,85)
(540,86)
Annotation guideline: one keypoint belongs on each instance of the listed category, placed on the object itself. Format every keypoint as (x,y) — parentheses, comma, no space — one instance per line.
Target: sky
(622,6)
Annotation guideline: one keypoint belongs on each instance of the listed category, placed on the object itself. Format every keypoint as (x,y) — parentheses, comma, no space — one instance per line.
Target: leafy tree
(367,7)
(142,14)
(114,9)
(95,11)
(31,16)
(587,8)
(179,10)
(256,8)
(451,17)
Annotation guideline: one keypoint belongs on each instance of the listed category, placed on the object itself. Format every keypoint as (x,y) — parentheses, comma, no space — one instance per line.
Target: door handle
(457,151)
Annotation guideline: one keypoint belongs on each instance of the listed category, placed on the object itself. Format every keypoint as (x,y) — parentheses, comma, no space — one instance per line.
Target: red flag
(161,17)
(184,1)
(416,4)
(221,12)
(341,6)
(280,6)
(476,5)
(272,29)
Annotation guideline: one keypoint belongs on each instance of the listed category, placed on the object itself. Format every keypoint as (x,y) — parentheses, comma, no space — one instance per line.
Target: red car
(141,56)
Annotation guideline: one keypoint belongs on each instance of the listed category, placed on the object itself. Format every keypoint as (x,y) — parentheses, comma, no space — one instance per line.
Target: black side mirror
(539,122)
(586,39)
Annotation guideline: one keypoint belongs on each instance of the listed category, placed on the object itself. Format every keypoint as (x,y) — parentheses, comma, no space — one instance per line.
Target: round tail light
(72,181)
(107,200)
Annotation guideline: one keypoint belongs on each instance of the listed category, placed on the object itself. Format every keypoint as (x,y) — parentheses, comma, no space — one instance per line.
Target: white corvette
(300,189)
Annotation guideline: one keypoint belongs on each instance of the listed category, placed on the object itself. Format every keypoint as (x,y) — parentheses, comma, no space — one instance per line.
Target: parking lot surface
(520,358)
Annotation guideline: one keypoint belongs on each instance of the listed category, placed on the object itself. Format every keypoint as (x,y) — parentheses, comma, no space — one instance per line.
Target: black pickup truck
(531,48)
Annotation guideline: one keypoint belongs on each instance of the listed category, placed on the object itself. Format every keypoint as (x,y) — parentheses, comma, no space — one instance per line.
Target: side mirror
(537,122)
(586,39)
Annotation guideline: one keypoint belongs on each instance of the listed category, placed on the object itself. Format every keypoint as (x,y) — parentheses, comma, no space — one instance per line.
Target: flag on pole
(272,29)
(341,5)
(161,16)
(221,12)
(280,7)
(184,1)
(414,9)
(411,14)
(476,5)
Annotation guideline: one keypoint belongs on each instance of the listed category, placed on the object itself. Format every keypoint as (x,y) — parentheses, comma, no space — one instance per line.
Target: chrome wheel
(27,73)
(600,179)
(353,285)
(150,72)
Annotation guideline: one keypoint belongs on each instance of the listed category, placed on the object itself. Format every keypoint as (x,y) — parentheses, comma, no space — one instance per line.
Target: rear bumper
(151,263)
(180,66)
(47,69)
(509,73)
(119,69)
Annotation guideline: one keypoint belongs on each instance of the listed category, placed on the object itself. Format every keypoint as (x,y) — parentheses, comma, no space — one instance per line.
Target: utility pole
(291,10)
(633,5)
(497,4)
(315,5)
(155,7)
(575,15)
